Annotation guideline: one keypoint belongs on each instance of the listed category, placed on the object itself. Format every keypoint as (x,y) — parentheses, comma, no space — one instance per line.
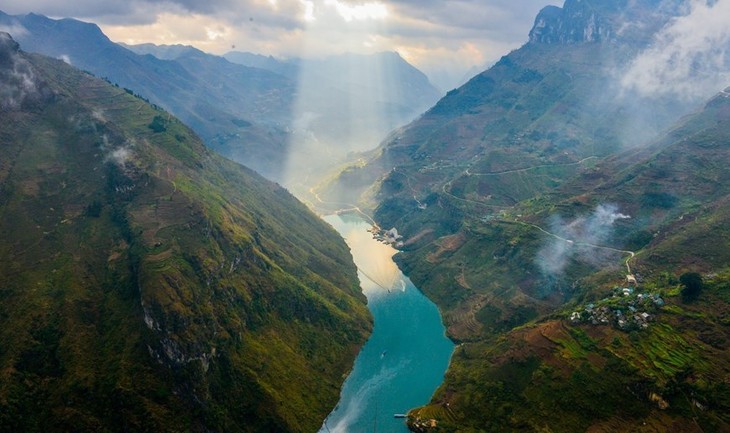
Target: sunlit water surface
(404,360)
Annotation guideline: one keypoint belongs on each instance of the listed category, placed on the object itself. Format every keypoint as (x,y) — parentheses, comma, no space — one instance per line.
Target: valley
(543,248)
(520,209)
(407,354)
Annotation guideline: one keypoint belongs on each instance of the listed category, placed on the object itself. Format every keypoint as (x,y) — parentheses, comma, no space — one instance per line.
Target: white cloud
(120,156)
(363,11)
(308,10)
(689,58)
(15,29)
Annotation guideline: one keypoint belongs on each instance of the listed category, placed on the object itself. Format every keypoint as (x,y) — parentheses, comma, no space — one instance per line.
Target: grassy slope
(551,374)
(556,376)
(499,157)
(148,284)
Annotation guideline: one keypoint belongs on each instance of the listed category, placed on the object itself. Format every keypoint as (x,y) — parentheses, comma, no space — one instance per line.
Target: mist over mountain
(148,283)
(351,100)
(286,67)
(560,98)
(354,73)
(567,209)
(254,115)
(592,361)
(243,115)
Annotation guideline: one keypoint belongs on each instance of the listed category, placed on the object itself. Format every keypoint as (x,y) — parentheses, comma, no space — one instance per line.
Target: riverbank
(405,359)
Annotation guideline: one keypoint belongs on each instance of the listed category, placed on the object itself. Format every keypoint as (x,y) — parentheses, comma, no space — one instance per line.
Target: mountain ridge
(150,284)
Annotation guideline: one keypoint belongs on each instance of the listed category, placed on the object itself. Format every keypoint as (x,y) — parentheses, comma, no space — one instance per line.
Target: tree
(692,282)
(159,124)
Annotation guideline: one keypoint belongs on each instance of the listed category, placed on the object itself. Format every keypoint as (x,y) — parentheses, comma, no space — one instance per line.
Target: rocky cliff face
(580,21)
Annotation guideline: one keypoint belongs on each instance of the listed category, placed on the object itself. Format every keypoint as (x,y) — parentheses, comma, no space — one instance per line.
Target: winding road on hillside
(446,189)
(521,170)
(631,254)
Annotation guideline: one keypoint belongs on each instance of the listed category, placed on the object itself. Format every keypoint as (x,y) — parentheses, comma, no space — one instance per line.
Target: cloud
(117,154)
(120,156)
(18,82)
(583,237)
(372,10)
(15,30)
(442,37)
(689,58)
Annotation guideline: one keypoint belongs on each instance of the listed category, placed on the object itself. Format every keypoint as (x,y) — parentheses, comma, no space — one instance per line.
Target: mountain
(351,100)
(345,103)
(253,115)
(676,190)
(163,52)
(547,103)
(517,130)
(528,197)
(612,358)
(149,284)
(240,112)
(288,68)
(357,74)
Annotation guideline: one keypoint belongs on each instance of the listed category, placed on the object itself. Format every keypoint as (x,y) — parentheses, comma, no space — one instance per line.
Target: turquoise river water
(405,359)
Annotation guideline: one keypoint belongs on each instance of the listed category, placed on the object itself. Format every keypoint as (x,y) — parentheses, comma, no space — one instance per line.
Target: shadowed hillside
(148,284)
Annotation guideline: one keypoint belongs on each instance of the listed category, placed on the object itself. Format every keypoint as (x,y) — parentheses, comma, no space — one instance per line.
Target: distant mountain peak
(577,21)
(89,30)
(164,52)
(593,21)
(8,47)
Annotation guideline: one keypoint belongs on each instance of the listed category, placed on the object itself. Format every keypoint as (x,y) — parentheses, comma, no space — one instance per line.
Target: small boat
(400,415)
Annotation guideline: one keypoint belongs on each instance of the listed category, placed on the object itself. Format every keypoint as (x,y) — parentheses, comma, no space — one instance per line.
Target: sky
(444,38)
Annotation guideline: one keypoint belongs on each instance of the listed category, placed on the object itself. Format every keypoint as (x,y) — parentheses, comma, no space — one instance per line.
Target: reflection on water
(374,259)
(404,360)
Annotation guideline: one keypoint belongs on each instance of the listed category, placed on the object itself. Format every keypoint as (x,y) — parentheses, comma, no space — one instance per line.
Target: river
(405,359)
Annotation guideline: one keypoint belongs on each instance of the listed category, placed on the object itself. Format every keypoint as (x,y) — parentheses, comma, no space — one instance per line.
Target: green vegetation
(563,377)
(158,124)
(147,284)
(494,190)
(691,286)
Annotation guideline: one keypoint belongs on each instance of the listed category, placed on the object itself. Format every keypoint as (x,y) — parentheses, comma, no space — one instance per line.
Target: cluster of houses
(389,237)
(422,425)
(625,309)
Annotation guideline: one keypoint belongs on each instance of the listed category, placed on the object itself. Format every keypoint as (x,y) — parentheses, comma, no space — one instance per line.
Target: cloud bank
(689,58)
